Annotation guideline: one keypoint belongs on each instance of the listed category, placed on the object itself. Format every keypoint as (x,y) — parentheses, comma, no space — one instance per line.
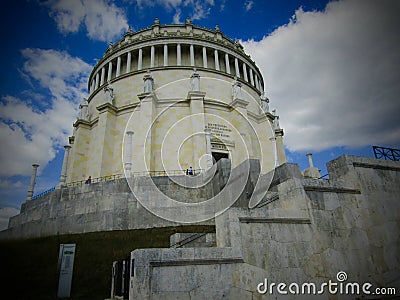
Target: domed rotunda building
(170,97)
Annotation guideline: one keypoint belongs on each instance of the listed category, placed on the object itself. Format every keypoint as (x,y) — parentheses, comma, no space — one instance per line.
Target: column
(228,68)
(251,77)
(216,59)
(152,56)
(205,57)
(33,181)
(165,55)
(208,148)
(96,85)
(140,59)
(178,54)
(118,71)
(103,71)
(63,176)
(245,72)
(310,161)
(109,71)
(191,55)
(280,149)
(128,62)
(128,155)
(256,81)
(237,68)
(274,145)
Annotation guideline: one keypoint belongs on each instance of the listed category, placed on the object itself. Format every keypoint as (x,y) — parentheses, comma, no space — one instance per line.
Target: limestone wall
(102,206)
(315,229)
(111,205)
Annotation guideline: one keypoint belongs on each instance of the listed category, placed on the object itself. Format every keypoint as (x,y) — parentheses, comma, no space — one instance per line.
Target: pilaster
(196,99)
(64,168)
(80,152)
(104,148)
(144,138)
(240,105)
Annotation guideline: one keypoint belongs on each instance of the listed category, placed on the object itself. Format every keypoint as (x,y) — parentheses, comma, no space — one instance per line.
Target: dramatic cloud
(334,75)
(33,134)
(102,19)
(197,9)
(5,214)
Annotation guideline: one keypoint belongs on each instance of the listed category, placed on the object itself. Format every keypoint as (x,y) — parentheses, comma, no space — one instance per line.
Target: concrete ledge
(274,220)
(199,261)
(377,166)
(332,189)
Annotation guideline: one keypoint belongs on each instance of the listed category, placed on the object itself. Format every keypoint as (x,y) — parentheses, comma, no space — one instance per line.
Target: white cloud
(103,20)
(5,214)
(334,75)
(31,134)
(248,5)
(201,9)
(177,17)
(196,9)
(10,184)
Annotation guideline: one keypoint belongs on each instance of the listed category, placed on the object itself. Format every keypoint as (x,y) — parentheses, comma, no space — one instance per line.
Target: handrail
(137,174)
(190,239)
(118,176)
(95,180)
(44,193)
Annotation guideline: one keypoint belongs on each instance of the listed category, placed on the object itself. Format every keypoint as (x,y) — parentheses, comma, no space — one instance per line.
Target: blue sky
(331,70)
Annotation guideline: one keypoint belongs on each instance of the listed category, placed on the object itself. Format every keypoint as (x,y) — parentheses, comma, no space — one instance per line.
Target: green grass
(29,266)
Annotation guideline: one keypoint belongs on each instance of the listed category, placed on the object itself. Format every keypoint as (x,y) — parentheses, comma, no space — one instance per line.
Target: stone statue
(84,110)
(264,102)
(195,81)
(148,82)
(236,89)
(109,93)
(276,123)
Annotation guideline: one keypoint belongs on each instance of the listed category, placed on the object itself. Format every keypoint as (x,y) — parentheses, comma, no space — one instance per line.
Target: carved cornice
(107,107)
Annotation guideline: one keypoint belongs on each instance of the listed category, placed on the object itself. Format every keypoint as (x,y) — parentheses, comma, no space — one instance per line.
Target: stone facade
(312,231)
(145,84)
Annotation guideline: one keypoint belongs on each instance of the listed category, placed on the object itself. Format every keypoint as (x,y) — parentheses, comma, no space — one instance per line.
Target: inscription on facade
(219,130)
